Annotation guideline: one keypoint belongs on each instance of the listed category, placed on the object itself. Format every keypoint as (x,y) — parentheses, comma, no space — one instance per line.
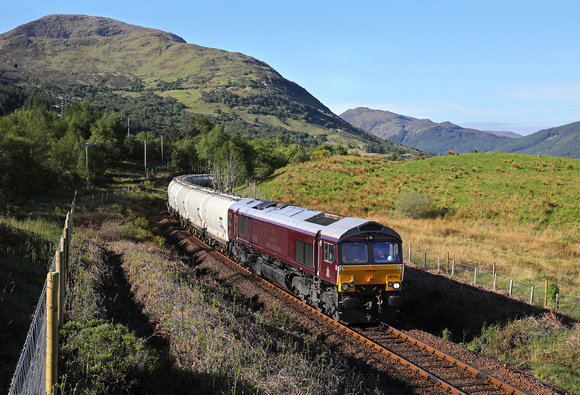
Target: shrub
(553,290)
(569,166)
(414,204)
(105,357)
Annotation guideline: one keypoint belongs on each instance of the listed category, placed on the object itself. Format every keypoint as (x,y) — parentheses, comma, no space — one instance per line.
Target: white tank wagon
(203,211)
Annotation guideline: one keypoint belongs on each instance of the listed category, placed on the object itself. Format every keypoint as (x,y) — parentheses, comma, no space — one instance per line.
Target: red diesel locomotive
(349,268)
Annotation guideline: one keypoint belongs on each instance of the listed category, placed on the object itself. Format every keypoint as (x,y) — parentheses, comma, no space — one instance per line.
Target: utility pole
(128,126)
(63,103)
(145,158)
(87,158)
(162,150)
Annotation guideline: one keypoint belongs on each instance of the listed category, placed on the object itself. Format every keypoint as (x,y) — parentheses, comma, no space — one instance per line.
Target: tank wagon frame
(349,268)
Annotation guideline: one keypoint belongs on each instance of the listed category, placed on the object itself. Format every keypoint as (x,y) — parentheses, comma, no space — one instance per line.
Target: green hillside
(561,141)
(94,56)
(483,186)
(520,211)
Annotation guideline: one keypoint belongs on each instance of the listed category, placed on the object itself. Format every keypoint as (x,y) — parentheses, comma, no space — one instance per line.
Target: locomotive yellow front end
(370,276)
(370,279)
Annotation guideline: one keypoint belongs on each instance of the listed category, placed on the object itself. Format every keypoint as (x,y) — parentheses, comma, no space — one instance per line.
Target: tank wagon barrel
(350,268)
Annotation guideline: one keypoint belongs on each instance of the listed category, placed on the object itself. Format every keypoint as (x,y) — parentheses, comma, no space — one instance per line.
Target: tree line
(43,147)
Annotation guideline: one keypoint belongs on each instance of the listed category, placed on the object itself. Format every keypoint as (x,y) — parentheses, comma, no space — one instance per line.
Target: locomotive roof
(330,225)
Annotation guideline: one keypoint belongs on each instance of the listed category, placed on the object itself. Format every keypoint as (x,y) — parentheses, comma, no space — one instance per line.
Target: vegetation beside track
(519,211)
(140,318)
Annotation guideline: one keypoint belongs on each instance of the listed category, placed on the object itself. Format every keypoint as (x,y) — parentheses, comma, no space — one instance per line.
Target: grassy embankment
(520,211)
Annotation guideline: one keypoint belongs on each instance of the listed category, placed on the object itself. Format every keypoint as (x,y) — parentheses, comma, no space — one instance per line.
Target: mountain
(423,134)
(100,57)
(442,137)
(563,141)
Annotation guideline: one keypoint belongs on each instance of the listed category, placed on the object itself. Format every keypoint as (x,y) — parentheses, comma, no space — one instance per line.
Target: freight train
(349,268)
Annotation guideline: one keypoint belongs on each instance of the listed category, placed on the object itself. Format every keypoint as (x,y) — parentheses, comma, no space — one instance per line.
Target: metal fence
(93,200)
(30,373)
(537,294)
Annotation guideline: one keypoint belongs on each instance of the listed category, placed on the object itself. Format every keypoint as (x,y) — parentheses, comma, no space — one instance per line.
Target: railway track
(444,370)
(441,370)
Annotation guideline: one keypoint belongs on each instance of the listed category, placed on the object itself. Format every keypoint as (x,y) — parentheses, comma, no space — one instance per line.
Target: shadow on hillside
(436,302)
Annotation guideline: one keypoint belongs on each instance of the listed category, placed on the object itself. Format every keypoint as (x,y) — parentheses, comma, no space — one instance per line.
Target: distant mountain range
(110,57)
(442,137)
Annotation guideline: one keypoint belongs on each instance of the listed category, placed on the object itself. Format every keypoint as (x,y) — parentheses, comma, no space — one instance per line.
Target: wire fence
(90,201)
(541,294)
(30,373)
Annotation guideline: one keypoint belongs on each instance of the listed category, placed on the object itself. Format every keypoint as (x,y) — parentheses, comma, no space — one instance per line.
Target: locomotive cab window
(386,251)
(354,253)
(329,252)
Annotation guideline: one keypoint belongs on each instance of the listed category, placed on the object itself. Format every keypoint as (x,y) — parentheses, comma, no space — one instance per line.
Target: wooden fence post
(60,291)
(438,264)
(453,268)
(532,296)
(51,331)
(511,287)
(425,261)
(546,294)
(475,275)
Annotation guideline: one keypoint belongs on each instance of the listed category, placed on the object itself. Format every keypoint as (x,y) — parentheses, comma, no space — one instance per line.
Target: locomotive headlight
(396,285)
(344,287)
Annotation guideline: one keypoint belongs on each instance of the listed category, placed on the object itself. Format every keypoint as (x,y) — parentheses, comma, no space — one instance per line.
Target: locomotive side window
(304,253)
(354,253)
(329,252)
(230,219)
(386,251)
(244,226)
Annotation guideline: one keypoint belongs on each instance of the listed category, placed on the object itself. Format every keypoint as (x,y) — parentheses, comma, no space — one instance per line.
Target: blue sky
(494,65)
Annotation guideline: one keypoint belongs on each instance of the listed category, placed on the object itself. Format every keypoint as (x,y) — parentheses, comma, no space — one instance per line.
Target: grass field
(520,211)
